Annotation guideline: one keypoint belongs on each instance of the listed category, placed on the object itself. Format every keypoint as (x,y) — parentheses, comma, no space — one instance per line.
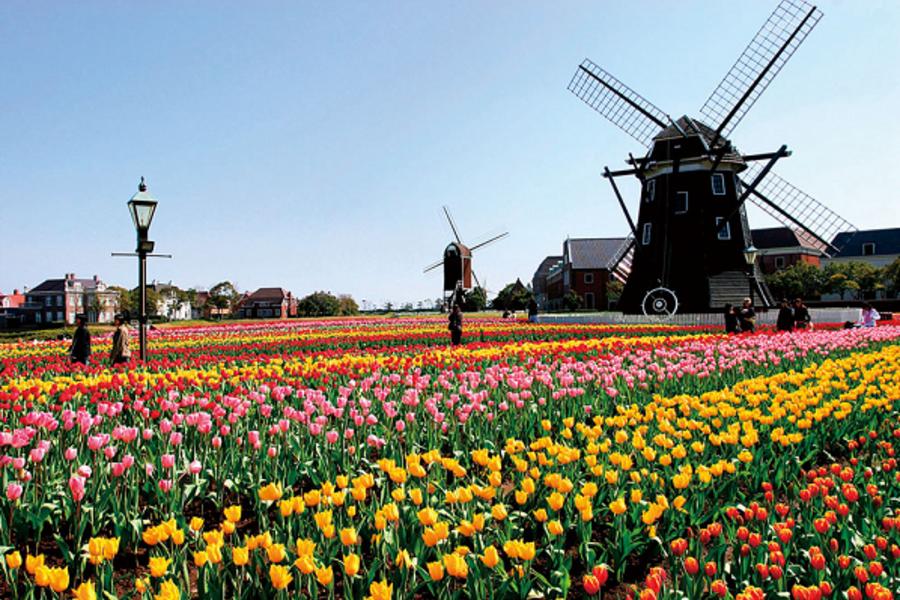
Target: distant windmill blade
(625,108)
(433,266)
(489,241)
(452,225)
(762,59)
(817,226)
(620,264)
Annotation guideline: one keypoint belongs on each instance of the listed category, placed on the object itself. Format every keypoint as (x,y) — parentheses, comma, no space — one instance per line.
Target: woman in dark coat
(455,325)
(80,350)
(802,320)
(747,317)
(785,317)
(731,320)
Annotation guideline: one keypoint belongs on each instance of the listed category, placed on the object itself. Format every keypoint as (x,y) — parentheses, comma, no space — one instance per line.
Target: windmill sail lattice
(620,264)
(625,108)
(816,224)
(770,49)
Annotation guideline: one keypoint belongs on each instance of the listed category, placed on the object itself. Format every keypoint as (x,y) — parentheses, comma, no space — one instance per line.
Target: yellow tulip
(159,565)
(351,564)
(349,536)
(324,575)
(276,553)
(270,493)
(435,571)
(14,560)
(280,577)
(233,513)
(85,591)
(490,557)
(240,556)
(200,558)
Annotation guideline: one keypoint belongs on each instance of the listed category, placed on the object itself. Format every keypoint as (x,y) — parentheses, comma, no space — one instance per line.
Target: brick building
(268,303)
(584,269)
(59,300)
(780,248)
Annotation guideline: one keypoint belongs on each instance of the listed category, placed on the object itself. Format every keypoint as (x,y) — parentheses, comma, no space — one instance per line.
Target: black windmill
(457,263)
(691,250)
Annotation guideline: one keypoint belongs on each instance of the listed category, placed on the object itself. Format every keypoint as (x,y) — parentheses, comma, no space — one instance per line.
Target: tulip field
(369,459)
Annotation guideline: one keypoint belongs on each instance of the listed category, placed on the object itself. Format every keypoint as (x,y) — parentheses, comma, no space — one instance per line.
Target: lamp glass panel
(142,213)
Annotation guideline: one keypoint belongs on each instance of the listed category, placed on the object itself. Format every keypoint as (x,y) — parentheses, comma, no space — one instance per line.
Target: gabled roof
(59,285)
(546,264)
(887,241)
(591,253)
(775,237)
(268,294)
(690,127)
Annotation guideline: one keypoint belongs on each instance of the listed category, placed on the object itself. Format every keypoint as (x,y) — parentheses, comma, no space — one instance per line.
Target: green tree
(347,305)
(891,276)
(572,301)
(475,300)
(859,279)
(801,280)
(123,299)
(514,296)
(319,304)
(614,291)
(224,295)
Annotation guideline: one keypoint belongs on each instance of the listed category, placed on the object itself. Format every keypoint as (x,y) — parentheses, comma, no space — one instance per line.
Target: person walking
(802,319)
(80,350)
(731,320)
(785,320)
(869,316)
(121,343)
(747,317)
(532,311)
(455,325)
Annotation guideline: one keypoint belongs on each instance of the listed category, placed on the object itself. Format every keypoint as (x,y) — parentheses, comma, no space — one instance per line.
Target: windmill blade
(816,225)
(475,277)
(489,241)
(762,59)
(452,225)
(622,106)
(433,266)
(620,263)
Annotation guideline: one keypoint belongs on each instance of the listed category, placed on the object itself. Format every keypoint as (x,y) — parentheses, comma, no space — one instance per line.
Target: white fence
(819,315)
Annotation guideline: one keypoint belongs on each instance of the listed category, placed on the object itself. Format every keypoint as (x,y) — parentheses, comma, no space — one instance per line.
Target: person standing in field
(869,316)
(455,325)
(785,317)
(121,344)
(532,311)
(80,350)
(802,320)
(731,320)
(747,316)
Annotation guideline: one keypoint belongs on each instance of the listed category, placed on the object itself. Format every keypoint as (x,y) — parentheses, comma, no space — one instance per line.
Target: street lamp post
(142,207)
(750,253)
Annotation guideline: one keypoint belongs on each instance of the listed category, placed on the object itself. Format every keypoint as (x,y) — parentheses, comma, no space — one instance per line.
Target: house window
(651,190)
(645,238)
(589,278)
(718,184)
(681,203)
(779,262)
(48,301)
(868,249)
(589,300)
(725,232)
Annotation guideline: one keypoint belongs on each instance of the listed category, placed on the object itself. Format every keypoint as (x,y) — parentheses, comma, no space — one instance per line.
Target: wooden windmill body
(690,249)
(457,264)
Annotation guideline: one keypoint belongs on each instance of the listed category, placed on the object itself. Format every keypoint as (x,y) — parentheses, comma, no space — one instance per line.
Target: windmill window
(868,249)
(651,190)
(681,203)
(645,238)
(725,232)
(779,262)
(718,184)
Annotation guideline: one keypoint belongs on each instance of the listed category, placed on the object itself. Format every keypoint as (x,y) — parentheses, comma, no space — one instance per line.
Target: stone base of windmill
(819,315)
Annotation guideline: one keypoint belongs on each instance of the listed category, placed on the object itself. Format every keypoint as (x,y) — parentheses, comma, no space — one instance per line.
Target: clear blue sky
(311,145)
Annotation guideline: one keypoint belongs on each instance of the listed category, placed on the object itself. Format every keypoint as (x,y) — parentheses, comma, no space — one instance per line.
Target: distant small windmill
(457,263)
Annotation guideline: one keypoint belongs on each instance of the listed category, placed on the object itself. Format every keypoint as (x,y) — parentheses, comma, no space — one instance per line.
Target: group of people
(80,349)
(790,317)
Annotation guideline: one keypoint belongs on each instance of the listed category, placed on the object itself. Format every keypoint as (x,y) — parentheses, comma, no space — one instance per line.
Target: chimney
(16,292)
(96,279)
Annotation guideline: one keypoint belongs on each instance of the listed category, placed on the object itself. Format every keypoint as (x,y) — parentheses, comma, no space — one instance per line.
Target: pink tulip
(148,468)
(18,463)
(37,454)
(167,461)
(272,452)
(175,438)
(76,485)
(118,469)
(165,485)
(85,471)
(217,442)
(195,467)
(331,437)
(70,454)
(13,492)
